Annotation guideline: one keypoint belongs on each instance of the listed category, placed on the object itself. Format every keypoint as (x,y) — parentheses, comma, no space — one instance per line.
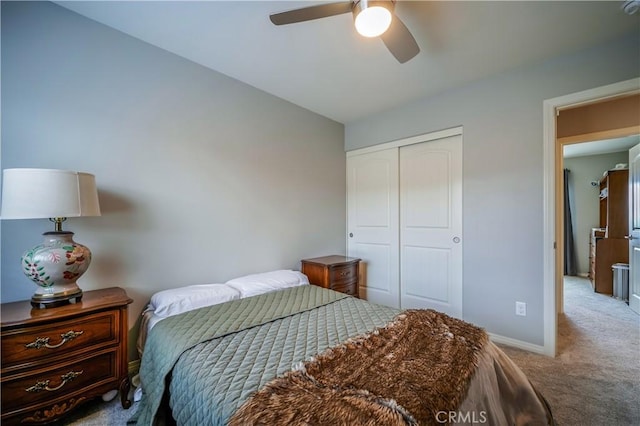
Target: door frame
(553,208)
(633,234)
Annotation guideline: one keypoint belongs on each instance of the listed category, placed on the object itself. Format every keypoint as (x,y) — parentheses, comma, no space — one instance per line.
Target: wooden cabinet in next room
(608,244)
(614,203)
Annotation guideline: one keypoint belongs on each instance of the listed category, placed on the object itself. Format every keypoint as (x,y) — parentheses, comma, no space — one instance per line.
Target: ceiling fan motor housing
(372,18)
(360,5)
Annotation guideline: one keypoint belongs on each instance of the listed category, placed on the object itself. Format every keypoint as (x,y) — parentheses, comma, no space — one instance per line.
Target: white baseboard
(583,274)
(496,338)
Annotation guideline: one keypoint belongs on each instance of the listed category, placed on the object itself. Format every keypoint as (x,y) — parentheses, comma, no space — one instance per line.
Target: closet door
(431,225)
(372,223)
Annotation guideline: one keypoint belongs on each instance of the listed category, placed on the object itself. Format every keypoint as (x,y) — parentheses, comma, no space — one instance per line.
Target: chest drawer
(40,344)
(348,288)
(343,274)
(47,385)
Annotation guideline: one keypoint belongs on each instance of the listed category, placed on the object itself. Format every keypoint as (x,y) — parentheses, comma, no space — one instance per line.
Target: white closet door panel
(372,182)
(426,191)
(372,223)
(429,278)
(431,225)
(378,273)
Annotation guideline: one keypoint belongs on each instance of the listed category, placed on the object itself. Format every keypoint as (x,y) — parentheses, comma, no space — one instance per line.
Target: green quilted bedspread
(212,359)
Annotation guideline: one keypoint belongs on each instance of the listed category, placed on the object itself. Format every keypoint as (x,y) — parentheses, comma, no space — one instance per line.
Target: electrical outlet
(521,309)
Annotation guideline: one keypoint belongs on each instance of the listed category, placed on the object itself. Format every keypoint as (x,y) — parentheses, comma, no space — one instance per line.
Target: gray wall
(503,174)
(201,178)
(584,198)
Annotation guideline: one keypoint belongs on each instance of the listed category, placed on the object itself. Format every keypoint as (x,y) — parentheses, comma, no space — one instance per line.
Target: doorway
(596,176)
(585,165)
(554,192)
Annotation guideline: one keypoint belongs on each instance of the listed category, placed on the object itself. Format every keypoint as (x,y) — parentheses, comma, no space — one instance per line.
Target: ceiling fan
(371,18)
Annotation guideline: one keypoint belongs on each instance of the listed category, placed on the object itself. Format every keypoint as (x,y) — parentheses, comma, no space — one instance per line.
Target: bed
(301,354)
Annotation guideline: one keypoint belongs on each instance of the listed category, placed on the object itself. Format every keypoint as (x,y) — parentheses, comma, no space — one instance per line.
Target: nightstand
(339,273)
(58,358)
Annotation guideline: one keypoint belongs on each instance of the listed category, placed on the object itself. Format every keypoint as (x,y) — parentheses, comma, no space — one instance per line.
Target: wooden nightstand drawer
(347,288)
(48,385)
(343,274)
(38,344)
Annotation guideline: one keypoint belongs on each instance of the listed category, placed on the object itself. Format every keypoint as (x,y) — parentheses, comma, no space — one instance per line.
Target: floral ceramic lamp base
(55,265)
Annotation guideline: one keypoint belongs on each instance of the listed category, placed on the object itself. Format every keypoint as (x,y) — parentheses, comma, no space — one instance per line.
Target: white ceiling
(600,147)
(326,67)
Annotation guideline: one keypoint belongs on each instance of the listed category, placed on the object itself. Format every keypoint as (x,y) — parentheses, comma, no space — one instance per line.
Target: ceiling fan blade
(399,41)
(311,12)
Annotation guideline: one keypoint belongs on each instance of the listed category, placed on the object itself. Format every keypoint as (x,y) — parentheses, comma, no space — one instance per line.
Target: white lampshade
(372,18)
(48,193)
(57,195)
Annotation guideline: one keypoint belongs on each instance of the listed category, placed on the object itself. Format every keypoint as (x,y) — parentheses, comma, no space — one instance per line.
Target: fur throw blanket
(419,364)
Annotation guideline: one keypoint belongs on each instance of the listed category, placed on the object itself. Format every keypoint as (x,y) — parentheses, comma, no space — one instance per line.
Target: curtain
(570,266)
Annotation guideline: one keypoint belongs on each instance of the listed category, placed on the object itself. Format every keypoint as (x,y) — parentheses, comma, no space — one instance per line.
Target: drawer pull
(44,385)
(43,342)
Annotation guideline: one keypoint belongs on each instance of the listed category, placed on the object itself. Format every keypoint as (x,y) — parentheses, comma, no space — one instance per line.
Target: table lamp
(57,263)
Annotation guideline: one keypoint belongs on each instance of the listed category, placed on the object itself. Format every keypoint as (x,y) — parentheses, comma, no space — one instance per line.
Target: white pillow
(251,285)
(178,300)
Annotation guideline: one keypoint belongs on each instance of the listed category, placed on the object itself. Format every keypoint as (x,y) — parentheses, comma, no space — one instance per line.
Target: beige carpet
(595,377)
(594,380)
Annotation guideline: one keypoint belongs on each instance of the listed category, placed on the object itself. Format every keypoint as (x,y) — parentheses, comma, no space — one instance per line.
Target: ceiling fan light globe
(373,21)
